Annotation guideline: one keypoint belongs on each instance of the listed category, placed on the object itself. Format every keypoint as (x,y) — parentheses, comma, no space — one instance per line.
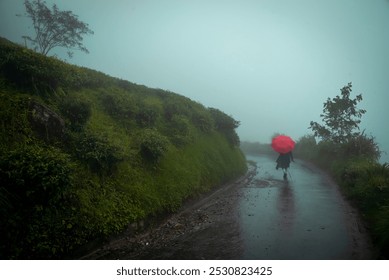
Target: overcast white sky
(270,64)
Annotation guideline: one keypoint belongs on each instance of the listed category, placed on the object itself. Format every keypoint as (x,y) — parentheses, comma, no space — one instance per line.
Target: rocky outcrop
(46,123)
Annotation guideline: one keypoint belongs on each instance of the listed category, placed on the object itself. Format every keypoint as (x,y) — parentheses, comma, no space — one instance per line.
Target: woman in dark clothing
(283,162)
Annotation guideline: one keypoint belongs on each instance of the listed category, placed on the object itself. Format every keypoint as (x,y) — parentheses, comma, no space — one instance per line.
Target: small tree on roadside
(55,28)
(341,118)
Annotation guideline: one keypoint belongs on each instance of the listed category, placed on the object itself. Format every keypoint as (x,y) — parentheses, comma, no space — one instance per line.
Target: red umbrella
(282,144)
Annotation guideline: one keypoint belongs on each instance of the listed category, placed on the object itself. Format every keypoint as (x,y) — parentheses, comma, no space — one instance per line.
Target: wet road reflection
(285,207)
(302,218)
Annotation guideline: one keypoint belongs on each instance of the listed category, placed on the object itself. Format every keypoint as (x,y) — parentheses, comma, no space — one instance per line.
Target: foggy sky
(271,64)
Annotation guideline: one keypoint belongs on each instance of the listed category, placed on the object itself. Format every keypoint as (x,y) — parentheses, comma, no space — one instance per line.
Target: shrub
(381,230)
(77,111)
(223,121)
(176,105)
(361,146)
(14,125)
(119,105)
(30,70)
(153,145)
(226,125)
(202,119)
(36,189)
(180,130)
(147,116)
(367,182)
(306,147)
(97,152)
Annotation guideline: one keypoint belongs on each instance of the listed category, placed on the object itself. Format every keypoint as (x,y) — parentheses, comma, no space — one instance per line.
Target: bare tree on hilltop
(55,28)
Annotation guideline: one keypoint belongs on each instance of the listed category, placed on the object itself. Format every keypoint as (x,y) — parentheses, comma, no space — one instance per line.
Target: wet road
(302,218)
(260,216)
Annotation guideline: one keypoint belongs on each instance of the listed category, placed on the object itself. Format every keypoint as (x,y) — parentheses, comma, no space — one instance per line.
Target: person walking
(283,162)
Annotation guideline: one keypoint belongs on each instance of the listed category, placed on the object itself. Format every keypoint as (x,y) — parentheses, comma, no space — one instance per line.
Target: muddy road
(260,216)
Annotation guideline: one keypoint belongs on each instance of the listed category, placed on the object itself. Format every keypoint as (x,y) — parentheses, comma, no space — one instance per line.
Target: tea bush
(118,104)
(36,184)
(97,152)
(153,145)
(77,111)
(147,116)
(180,131)
(14,125)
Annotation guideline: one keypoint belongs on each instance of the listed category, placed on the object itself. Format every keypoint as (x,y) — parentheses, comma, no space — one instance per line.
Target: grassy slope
(126,152)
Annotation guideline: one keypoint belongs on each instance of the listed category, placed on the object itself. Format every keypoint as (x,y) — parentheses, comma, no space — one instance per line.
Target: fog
(269,64)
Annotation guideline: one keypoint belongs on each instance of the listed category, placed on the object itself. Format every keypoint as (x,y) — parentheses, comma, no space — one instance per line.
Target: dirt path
(256,217)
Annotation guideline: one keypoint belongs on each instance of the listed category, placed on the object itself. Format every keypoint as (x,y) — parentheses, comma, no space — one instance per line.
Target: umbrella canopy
(282,144)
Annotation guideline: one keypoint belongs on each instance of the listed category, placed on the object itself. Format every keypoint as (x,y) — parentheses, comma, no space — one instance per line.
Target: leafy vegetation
(126,153)
(55,28)
(25,70)
(153,145)
(226,125)
(341,118)
(76,110)
(352,158)
(35,182)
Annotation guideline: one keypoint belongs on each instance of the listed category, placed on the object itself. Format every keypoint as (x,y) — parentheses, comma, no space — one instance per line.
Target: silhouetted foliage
(223,122)
(55,28)
(226,124)
(341,118)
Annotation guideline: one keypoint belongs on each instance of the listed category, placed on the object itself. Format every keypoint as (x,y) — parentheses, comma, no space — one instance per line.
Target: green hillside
(83,155)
